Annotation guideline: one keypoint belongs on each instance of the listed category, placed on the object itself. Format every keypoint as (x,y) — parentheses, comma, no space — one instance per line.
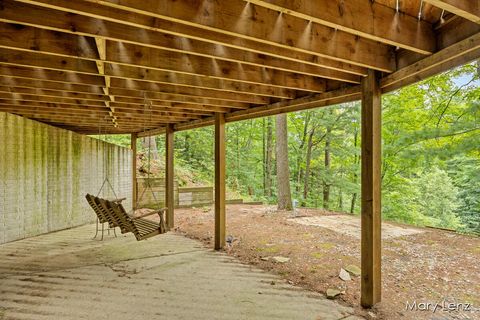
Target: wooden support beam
(137,56)
(249,21)
(169,176)
(457,54)
(140,115)
(468,9)
(136,87)
(14,57)
(219,181)
(371,219)
(378,22)
(133,146)
(95,19)
(309,102)
(121,94)
(102,54)
(152,132)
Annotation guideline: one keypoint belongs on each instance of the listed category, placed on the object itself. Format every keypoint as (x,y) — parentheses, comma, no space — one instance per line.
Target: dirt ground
(423,266)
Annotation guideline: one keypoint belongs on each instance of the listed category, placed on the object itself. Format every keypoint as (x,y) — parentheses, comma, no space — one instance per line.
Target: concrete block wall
(45,173)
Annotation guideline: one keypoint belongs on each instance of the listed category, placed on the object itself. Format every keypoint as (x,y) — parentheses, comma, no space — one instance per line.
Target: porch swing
(102,216)
(113,212)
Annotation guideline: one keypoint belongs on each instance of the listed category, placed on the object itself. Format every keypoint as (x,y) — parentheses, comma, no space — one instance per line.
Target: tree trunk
(355,177)
(326,183)
(307,165)
(264,159)
(340,200)
(283,173)
(268,158)
(299,174)
(187,145)
(150,143)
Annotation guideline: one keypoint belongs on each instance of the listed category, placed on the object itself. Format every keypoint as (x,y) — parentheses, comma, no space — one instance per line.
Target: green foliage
(122,140)
(430,154)
(466,176)
(436,199)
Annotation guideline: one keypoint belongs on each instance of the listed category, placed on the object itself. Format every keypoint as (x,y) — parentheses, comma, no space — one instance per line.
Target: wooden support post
(219,181)
(133,146)
(371,190)
(169,174)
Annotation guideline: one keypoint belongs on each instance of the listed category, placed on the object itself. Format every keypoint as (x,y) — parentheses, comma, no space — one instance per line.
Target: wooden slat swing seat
(100,211)
(140,227)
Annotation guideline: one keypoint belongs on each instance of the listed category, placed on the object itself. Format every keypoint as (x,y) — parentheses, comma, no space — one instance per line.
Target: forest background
(430,155)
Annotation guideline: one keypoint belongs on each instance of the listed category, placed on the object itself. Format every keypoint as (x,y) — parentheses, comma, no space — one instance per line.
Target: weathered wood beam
(248,22)
(158,33)
(468,9)
(95,117)
(133,147)
(139,113)
(219,181)
(102,53)
(203,89)
(11,88)
(152,132)
(122,94)
(169,176)
(150,54)
(371,216)
(83,121)
(133,87)
(309,102)
(457,54)
(378,22)
(51,62)
(25,94)
(72,45)
(163,60)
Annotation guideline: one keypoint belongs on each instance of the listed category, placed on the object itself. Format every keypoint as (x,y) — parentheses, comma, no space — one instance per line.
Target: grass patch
(272,249)
(317,255)
(325,245)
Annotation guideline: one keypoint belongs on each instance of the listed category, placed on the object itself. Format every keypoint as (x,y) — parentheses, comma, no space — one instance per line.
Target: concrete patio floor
(67,275)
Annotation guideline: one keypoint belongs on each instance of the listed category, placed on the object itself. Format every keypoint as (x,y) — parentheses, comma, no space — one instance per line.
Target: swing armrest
(117,200)
(150,213)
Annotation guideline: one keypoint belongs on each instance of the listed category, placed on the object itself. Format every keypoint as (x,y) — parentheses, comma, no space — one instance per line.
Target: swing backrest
(117,211)
(110,214)
(99,211)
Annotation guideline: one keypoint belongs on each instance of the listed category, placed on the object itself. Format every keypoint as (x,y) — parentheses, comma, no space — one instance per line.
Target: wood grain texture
(219,181)
(371,191)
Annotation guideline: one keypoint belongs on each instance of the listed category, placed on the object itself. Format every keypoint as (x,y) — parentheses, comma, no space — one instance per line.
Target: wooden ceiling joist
(87,67)
(304,103)
(121,95)
(126,29)
(185,60)
(378,22)
(164,61)
(460,53)
(133,87)
(468,9)
(141,112)
(135,54)
(102,53)
(229,19)
(74,98)
(133,118)
(245,20)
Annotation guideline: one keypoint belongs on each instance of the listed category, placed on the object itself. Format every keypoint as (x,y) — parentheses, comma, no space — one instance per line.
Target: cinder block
(45,173)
